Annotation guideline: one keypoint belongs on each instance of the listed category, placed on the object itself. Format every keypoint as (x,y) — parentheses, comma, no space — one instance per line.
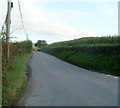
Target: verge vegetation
(14,74)
(100,54)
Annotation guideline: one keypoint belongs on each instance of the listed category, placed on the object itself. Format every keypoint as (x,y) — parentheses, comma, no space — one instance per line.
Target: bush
(16,49)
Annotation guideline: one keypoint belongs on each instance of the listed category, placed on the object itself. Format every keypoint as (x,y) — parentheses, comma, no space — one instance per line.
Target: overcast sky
(59,20)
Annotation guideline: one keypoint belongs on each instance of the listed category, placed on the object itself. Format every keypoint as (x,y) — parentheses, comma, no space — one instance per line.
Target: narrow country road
(54,82)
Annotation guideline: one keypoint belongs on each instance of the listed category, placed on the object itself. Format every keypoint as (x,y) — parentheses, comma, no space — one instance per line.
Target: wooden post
(8,22)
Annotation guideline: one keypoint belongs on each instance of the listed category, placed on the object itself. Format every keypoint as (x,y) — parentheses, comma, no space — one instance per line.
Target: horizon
(62,21)
(76,39)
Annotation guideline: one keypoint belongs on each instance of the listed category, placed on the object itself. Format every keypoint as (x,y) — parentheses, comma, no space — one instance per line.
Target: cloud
(49,23)
(78,14)
(109,9)
(40,20)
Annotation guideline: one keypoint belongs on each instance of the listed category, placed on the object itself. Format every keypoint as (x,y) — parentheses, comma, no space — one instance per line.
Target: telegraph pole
(119,18)
(26,37)
(8,22)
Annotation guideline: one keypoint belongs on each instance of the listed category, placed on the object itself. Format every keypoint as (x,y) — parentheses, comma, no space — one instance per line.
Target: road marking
(112,76)
(109,75)
(115,77)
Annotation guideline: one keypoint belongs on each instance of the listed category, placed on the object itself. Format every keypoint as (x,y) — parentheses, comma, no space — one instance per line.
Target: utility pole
(8,22)
(26,37)
(119,18)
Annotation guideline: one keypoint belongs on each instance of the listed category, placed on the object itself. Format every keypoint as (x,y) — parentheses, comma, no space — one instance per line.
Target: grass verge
(95,60)
(99,62)
(15,81)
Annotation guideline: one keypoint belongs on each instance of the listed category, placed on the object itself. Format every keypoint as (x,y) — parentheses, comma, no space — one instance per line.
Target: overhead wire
(22,19)
(4,24)
(3,28)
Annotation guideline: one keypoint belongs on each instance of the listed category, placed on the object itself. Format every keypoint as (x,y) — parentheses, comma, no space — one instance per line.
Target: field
(101,54)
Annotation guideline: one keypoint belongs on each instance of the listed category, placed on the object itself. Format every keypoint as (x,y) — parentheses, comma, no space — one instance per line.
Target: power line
(4,23)
(22,20)
(3,29)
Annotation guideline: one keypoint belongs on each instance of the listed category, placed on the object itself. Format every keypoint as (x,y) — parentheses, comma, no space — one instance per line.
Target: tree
(41,43)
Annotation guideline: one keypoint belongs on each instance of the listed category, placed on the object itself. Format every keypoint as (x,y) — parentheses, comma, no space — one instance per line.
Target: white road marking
(113,76)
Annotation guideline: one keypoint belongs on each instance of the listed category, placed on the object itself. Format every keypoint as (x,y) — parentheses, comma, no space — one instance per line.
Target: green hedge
(102,57)
(16,49)
(109,50)
(14,76)
(89,41)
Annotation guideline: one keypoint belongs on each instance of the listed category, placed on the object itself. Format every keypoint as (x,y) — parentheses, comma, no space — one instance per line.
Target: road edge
(28,71)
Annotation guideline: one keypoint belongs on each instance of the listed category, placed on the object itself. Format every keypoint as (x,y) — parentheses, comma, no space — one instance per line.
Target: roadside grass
(100,54)
(15,80)
(98,62)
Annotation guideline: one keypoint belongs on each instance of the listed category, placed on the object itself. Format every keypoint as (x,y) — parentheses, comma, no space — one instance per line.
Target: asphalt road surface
(56,83)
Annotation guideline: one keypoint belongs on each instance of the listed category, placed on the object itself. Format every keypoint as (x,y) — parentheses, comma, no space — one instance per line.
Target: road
(54,82)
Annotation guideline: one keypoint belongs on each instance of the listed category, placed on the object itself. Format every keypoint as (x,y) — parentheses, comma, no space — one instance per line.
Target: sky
(60,20)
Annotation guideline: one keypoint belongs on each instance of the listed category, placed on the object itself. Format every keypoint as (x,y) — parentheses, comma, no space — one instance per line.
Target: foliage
(89,41)
(40,43)
(13,70)
(3,36)
(35,48)
(100,54)
(16,49)
(14,80)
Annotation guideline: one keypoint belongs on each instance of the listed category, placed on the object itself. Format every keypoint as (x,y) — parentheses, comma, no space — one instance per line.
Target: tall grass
(14,75)
(15,80)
